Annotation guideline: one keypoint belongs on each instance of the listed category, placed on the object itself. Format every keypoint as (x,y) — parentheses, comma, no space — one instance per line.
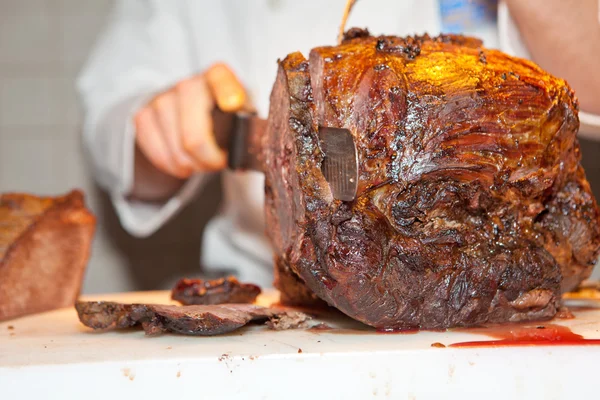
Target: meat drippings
(528,335)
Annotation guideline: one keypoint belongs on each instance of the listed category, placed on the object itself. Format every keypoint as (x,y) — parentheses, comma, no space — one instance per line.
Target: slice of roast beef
(218,291)
(196,320)
(472,205)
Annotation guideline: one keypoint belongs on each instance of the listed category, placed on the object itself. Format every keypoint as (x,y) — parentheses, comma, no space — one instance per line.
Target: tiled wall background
(43,44)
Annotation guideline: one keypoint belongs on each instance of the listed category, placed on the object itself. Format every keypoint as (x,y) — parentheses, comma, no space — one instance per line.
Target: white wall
(43,44)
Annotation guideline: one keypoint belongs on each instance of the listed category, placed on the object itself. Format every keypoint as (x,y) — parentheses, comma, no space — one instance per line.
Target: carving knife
(240,134)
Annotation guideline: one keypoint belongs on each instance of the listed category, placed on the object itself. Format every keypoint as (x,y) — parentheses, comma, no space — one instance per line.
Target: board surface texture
(52,355)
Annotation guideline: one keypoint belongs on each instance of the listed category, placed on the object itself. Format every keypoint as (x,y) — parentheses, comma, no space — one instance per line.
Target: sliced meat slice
(197,320)
(218,291)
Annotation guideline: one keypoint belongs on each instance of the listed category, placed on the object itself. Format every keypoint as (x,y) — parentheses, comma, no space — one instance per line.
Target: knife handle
(231,134)
(223,123)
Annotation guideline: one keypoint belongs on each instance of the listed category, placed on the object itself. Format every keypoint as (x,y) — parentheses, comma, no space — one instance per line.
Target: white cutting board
(52,356)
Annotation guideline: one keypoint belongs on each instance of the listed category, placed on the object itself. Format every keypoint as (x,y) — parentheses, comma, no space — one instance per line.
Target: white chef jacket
(150,45)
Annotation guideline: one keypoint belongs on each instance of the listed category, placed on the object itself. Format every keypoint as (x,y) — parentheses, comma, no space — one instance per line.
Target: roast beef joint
(472,206)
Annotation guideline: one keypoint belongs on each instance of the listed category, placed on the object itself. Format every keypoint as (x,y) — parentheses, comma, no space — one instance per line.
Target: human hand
(174,131)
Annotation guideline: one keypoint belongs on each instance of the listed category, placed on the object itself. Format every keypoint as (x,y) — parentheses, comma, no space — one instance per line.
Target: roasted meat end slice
(45,245)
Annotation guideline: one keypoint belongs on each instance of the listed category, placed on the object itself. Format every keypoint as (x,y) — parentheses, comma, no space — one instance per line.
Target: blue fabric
(458,16)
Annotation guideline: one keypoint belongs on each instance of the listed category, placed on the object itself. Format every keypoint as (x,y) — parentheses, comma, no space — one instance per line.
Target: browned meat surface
(197,320)
(296,293)
(217,291)
(472,204)
(44,248)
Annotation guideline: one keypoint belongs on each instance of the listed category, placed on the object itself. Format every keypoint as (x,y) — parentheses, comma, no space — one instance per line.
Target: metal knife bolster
(240,134)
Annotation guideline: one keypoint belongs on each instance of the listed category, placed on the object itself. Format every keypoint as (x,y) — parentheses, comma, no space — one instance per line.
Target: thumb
(227,90)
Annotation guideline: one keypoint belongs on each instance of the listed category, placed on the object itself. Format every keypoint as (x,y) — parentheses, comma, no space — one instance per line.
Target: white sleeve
(144,50)
(512,43)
